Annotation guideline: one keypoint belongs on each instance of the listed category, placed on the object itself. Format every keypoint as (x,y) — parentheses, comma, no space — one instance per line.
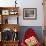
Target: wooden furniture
(0,43)
(5,12)
(44,6)
(11,26)
(44,37)
(10,43)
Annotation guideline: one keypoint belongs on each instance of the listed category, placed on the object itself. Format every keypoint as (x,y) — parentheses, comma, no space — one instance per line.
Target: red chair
(29,33)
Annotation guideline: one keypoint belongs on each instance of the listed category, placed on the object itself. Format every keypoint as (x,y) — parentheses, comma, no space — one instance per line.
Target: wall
(31,4)
(27,4)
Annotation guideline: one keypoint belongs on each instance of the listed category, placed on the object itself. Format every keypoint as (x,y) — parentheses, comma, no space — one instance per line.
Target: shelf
(6,12)
(11,41)
(10,26)
(9,10)
(7,25)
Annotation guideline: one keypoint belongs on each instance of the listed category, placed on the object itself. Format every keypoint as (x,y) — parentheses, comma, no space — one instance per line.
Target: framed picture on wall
(30,13)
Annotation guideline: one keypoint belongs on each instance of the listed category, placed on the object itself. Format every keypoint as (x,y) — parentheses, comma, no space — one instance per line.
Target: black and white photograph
(30,13)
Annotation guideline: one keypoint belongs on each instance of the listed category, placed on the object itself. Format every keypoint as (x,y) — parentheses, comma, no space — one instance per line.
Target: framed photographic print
(5,12)
(30,13)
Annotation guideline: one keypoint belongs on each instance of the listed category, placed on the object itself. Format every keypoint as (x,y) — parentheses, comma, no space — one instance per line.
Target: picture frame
(30,13)
(5,12)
